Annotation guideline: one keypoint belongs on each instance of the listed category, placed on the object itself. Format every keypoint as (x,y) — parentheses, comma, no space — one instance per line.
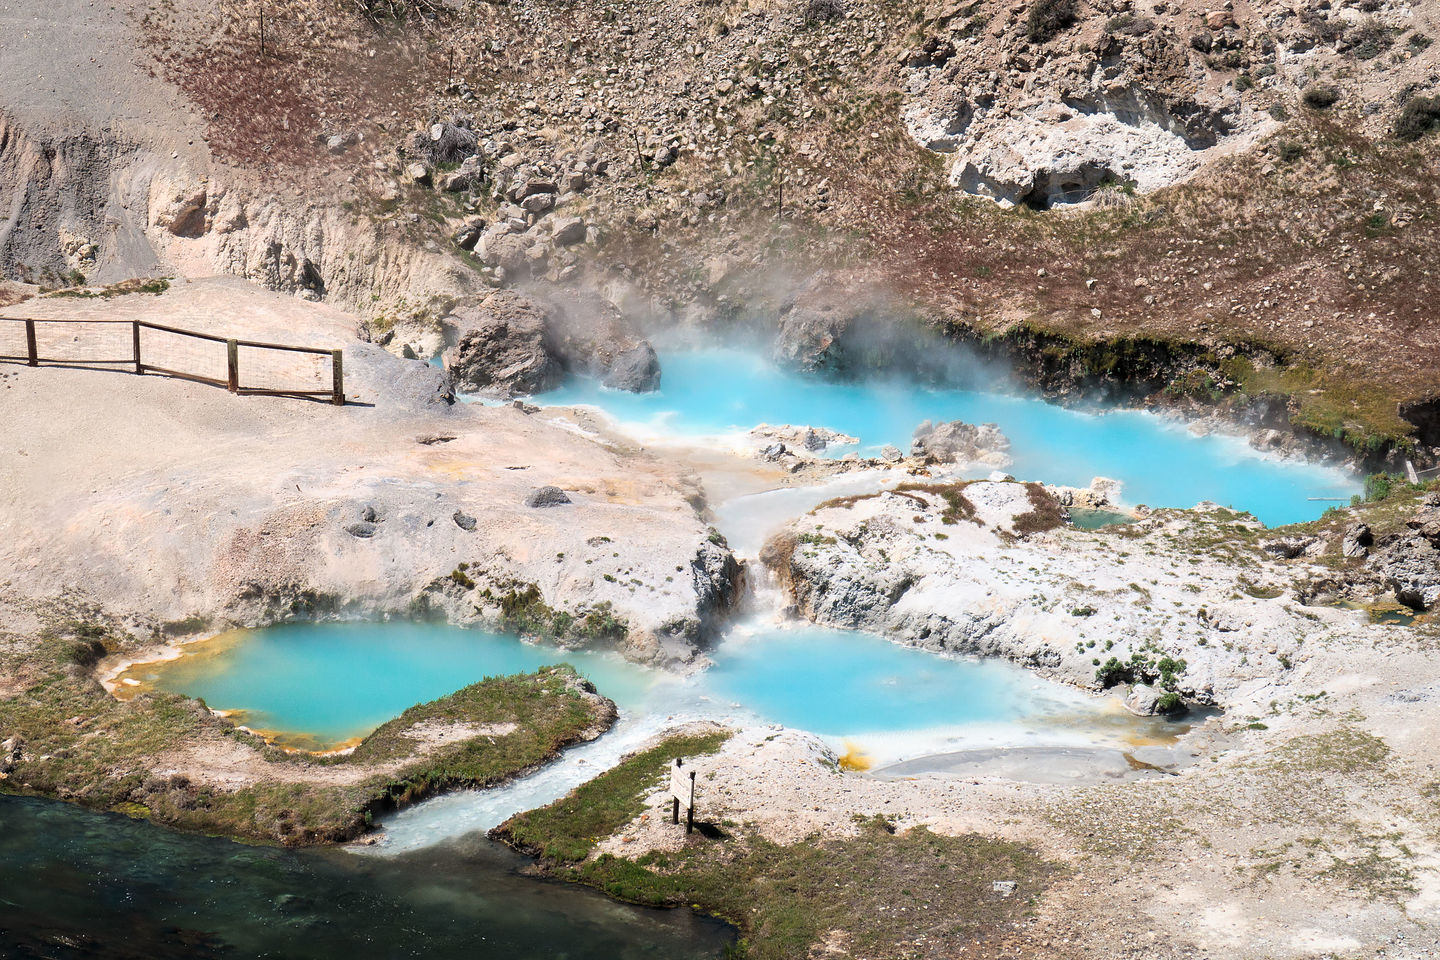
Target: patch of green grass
(874,892)
(1359,413)
(569,828)
(522,610)
(154,286)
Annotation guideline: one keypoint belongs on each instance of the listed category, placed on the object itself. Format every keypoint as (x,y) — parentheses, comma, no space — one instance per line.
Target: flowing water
(79,884)
(723,393)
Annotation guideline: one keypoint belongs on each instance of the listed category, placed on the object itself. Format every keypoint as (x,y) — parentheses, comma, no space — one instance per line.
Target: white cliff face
(952,575)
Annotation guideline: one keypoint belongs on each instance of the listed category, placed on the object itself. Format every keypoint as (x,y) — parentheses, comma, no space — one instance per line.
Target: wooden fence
(241,366)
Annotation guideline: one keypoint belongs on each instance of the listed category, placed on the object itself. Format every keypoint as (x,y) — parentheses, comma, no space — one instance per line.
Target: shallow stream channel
(889,709)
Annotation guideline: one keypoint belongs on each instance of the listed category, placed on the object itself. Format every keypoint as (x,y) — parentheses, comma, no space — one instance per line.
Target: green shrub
(1048,17)
(1320,97)
(1378,486)
(1368,40)
(1418,117)
(1169,702)
(1114,672)
(1289,151)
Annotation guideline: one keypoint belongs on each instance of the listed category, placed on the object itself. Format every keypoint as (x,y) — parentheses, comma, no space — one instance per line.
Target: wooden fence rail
(176,352)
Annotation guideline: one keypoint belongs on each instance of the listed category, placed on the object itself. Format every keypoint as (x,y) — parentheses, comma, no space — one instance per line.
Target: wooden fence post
(337,379)
(232,357)
(690,810)
(135,339)
(34,357)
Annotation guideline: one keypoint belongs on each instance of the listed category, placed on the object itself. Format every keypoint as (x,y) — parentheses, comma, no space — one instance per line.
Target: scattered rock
(546,496)
(364,530)
(463,520)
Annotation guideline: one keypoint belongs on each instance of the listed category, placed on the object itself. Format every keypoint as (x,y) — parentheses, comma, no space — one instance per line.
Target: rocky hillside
(1248,189)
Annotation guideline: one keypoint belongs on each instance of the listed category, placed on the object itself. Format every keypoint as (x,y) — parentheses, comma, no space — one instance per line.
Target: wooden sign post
(682,791)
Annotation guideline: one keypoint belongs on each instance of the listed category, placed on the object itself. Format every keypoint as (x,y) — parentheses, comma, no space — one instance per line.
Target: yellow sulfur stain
(853,758)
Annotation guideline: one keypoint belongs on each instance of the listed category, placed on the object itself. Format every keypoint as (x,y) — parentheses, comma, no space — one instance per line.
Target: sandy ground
(72,63)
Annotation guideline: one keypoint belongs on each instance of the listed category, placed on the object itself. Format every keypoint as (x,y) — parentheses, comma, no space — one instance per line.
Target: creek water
(80,884)
(722,393)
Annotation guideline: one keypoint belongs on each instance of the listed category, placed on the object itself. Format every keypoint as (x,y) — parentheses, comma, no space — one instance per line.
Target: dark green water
(1086,519)
(78,884)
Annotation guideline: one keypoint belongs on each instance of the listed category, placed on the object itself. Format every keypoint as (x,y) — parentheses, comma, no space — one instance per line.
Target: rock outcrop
(512,343)
(1072,128)
(501,347)
(592,338)
(961,442)
(947,568)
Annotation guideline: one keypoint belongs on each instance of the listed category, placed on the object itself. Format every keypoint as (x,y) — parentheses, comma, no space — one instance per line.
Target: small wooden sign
(682,793)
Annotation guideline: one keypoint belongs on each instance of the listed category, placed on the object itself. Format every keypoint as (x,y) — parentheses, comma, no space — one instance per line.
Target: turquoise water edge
(717,393)
(320,686)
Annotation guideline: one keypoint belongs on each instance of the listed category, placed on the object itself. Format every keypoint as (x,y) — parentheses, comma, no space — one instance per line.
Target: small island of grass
(169,758)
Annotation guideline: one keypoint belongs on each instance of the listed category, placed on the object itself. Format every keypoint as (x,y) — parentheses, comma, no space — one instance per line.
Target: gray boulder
(463,520)
(812,333)
(633,367)
(500,247)
(1411,568)
(834,328)
(468,235)
(501,346)
(567,230)
(1357,541)
(592,338)
(1144,701)
(546,496)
